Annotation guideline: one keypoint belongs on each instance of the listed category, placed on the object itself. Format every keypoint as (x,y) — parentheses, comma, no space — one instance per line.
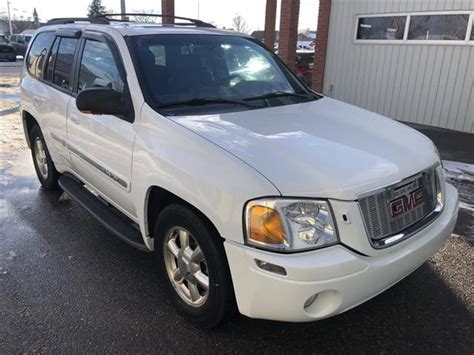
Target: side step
(112,219)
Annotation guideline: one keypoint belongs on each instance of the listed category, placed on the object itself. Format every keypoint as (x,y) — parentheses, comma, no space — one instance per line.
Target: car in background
(7,52)
(20,41)
(304,65)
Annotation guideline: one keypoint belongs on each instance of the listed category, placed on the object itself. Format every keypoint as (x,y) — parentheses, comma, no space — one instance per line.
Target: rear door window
(64,60)
(51,60)
(37,54)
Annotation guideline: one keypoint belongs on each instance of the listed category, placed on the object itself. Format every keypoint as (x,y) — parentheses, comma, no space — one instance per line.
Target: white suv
(254,192)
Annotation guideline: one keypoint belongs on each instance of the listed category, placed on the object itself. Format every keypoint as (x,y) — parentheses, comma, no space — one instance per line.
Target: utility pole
(9,17)
(198,10)
(122,9)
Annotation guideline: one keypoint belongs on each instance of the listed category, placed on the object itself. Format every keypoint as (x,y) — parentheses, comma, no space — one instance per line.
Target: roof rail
(66,20)
(195,22)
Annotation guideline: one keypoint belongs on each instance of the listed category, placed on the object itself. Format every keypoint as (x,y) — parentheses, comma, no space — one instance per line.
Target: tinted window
(38,51)
(388,27)
(98,67)
(438,27)
(51,60)
(64,60)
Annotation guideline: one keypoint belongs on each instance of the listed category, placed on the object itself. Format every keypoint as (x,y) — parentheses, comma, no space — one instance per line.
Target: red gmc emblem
(405,203)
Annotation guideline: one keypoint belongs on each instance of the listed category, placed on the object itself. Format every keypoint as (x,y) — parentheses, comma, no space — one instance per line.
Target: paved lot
(68,286)
(11,67)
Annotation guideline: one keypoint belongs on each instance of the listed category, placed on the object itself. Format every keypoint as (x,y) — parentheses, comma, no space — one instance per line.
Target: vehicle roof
(136,29)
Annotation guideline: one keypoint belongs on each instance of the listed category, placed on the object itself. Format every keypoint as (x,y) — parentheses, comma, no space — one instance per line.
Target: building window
(381,28)
(472,31)
(438,27)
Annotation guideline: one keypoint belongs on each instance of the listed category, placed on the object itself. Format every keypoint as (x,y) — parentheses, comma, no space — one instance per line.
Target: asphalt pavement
(68,286)
(11,67)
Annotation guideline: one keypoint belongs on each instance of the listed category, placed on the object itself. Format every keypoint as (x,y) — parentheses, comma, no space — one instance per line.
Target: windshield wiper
(274,94)
(201,101)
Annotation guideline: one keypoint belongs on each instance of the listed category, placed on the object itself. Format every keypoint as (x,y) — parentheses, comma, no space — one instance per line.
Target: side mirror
(100,101)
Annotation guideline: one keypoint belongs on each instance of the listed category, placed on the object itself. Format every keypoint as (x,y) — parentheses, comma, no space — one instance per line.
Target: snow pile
(461,175)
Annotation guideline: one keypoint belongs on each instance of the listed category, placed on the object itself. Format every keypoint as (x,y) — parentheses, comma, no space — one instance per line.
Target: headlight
(289,225)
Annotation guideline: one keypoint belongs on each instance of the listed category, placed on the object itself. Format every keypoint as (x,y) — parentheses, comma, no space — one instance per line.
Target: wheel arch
(28,123)
(157,198)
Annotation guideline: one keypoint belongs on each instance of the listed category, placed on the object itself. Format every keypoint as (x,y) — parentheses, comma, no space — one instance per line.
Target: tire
(212,306)
(44,166)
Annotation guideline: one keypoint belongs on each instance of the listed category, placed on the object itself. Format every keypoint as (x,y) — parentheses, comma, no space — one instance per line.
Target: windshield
(183,68)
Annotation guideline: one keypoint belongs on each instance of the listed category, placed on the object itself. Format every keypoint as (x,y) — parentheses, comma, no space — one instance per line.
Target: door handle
(76,119)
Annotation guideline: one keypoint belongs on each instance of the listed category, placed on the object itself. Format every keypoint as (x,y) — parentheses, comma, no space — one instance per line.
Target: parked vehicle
(252,191)
(304,65)
(7,52)
(20,42)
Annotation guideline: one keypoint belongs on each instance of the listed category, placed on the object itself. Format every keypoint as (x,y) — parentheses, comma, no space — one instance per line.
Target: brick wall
(321,44)
(167,8)
(288,31)
(270,18)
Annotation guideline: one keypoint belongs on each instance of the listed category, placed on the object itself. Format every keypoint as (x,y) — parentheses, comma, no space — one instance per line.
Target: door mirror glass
(100,101)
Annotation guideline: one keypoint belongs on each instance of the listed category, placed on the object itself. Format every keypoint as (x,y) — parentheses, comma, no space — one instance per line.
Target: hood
(324,148)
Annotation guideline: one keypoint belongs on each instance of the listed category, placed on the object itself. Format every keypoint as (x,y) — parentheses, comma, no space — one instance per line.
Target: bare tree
(239,24)
(145,18)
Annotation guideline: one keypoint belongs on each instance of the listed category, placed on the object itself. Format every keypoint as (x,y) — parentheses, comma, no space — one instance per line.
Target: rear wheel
(44,166)
(191,261)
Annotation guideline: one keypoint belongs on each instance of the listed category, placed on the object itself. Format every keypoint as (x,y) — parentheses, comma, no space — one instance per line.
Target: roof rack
(195,22)
(66,20)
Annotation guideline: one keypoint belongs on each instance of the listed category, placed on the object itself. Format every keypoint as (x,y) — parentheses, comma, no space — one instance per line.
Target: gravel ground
(68,286)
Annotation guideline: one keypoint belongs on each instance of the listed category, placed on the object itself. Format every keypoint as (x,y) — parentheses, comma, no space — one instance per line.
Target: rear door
(101,146)
(46,96)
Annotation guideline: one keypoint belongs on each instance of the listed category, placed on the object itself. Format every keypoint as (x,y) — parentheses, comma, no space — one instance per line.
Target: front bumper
(341,278)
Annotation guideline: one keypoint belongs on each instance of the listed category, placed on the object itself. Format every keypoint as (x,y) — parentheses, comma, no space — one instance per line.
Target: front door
(101,146)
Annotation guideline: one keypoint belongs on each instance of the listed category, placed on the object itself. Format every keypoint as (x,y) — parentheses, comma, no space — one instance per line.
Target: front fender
(198,171)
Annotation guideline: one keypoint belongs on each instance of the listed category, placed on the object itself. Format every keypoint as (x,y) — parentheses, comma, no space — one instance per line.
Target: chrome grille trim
(383,230)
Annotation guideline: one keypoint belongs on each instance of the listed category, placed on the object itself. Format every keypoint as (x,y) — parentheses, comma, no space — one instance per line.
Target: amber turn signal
(265,225)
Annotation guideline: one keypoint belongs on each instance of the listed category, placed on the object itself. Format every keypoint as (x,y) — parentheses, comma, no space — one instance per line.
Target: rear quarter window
(37,54)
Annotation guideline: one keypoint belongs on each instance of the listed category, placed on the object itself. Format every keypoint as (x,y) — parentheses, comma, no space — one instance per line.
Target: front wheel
(191,261)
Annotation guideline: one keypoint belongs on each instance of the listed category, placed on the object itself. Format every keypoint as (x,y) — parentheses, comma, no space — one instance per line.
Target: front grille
(377,208)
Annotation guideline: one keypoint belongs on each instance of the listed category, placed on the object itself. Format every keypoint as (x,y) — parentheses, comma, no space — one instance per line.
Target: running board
(119,224)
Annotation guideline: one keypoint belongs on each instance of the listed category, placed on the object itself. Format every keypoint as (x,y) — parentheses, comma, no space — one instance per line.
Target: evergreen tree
(35,16)
(96,8)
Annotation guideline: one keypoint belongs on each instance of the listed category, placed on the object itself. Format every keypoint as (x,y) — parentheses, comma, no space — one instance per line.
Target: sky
(220,12)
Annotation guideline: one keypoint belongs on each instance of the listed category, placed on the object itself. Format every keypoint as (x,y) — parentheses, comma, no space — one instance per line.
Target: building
(409,60)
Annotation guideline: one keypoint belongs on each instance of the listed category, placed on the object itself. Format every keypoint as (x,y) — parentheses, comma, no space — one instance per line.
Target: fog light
(310,301)
(270,267)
